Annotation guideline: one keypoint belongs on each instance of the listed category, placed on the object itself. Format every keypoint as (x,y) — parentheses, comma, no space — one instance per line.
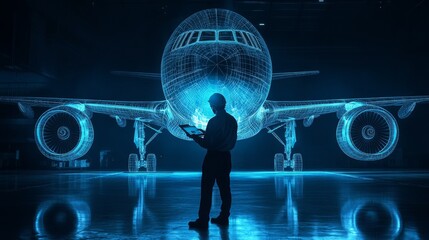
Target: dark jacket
(221,133)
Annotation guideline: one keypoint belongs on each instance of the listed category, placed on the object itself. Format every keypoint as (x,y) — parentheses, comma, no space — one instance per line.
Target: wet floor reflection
(143,187)
(290,189)
(371,218)
(265,205)
(62,217)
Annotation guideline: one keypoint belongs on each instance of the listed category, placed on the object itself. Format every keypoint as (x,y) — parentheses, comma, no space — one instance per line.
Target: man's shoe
(221,221)
(199,224)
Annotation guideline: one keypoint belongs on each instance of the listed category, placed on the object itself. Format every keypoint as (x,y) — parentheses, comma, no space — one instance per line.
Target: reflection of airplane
(294,188)
(62,217)
(141,186)
(217,50)
(371,218)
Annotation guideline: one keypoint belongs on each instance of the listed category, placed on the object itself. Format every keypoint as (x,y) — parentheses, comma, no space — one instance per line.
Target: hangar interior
(91,49)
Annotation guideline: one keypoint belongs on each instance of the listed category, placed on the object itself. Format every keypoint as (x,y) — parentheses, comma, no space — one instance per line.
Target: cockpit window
(207,36)
(194,37)
(217,36)
(239,37)
(247,39)
(176,42)
(255,41)
(226,36)
(185,39)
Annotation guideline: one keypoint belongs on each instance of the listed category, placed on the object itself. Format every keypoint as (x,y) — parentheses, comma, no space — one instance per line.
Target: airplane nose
(217,68)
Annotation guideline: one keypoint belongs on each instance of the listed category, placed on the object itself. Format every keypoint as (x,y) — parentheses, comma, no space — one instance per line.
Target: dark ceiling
(49,38)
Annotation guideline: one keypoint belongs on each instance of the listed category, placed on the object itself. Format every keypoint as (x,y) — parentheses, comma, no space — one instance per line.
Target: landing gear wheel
(279,160)
(151,162)
(297,162)
(133,163)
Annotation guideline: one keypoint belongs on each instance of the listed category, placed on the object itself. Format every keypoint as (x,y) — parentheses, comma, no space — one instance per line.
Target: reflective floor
(266,205)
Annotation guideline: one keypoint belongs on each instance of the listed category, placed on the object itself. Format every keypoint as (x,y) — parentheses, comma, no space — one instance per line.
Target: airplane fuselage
(221,53)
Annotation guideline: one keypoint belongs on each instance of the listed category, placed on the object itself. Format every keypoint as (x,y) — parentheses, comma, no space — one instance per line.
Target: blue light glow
(217,50)
(367,133)
(225,36)
(64,133)
(191,74)
(61,218)
(406,110)
(290,136)
(365,218)
(139,138)
(144,186)
(293,186)
(122,122)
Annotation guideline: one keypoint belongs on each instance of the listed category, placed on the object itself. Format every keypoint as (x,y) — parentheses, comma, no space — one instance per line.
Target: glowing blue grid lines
(199,67)
(224,36)
(217,50)
(64,133)
(367,133)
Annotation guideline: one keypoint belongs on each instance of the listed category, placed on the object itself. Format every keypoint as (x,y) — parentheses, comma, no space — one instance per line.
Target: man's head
(217,102)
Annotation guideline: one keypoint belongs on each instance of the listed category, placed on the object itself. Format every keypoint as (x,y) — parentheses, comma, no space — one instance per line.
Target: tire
(151,162)
(297,162)
(133,163)
(279,159)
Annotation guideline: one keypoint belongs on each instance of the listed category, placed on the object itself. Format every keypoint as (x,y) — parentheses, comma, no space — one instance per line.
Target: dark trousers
(216,167)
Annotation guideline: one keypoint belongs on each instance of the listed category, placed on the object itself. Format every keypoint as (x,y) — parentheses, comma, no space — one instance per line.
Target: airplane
(217,50)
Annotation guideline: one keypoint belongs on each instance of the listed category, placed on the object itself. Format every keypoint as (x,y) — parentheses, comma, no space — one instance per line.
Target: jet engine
(367,133)
(64,133)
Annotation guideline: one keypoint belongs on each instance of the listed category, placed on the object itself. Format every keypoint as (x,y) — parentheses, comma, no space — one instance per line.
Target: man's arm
(201,141)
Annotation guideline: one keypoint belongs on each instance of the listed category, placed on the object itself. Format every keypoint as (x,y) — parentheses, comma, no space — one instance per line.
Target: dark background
(362,49)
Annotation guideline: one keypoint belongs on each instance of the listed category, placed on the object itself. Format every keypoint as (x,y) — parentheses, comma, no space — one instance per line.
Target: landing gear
(134,162)
(150,162)
(297,162)
(280,163)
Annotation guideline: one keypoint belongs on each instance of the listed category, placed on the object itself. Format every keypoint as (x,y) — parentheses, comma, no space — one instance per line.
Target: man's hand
(191,136)
(202,130)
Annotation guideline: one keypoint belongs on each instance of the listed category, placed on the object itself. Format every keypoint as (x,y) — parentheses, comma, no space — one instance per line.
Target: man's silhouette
(219,138)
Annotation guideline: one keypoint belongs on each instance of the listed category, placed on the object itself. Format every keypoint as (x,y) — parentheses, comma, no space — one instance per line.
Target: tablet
(191,130)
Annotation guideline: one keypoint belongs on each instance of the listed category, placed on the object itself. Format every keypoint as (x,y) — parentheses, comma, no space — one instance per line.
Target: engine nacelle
(367,133)
(64,133)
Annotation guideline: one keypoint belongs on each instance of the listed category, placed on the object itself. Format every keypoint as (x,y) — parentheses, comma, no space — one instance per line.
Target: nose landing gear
(280,163)
(134,162)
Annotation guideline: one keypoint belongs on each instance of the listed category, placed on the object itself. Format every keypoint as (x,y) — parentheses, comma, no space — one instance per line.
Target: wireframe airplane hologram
(217,50)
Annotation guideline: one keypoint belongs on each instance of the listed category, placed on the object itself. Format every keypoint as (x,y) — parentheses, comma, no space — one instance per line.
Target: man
(219,138)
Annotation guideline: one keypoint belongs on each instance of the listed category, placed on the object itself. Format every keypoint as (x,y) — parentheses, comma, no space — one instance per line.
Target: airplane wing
(153,111)
(284,75)
(143,75)
(278,111)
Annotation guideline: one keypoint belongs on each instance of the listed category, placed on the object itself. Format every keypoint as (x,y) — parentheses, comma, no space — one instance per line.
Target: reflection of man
(219,139)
